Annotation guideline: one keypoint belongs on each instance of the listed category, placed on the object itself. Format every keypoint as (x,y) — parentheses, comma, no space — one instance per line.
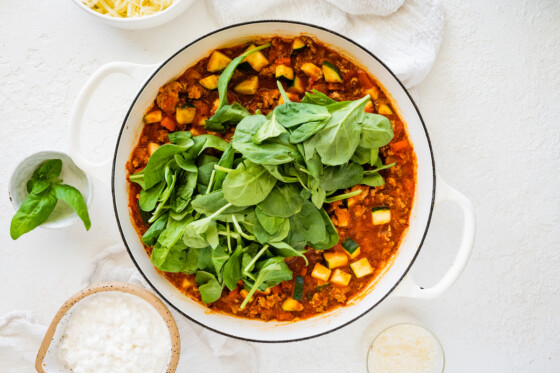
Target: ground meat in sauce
(378,243)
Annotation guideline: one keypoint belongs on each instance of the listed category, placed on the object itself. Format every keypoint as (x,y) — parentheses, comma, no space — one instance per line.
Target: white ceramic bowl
(151,78)
(139,23)
(63,215)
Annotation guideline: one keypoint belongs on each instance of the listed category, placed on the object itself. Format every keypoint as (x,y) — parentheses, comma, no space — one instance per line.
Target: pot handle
(408,287)
(100,170)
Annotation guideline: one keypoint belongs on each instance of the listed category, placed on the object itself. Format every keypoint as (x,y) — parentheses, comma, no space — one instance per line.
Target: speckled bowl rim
(125,288)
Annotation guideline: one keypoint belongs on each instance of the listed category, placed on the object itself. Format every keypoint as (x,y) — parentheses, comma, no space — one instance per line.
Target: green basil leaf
(75,200)
(34,211)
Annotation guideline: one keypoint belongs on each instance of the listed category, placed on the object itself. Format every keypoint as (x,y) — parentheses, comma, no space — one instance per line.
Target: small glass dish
(63,215)
(397,338)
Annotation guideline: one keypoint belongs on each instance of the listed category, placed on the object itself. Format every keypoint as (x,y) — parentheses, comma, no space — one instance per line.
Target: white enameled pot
(151,78)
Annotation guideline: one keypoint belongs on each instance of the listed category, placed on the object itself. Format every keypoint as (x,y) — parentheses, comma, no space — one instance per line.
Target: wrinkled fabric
(406,35)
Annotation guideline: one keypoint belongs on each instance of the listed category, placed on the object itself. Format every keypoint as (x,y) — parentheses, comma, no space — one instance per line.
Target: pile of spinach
(237,216)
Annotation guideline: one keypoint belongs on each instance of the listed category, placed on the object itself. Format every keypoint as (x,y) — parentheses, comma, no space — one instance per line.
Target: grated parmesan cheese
(405,348)
(128,8)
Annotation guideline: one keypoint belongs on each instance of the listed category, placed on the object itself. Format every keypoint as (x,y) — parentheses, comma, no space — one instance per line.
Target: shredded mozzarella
(128,8)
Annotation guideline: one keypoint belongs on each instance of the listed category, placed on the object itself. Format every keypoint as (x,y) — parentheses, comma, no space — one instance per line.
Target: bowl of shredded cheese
(134,14)
(111,327)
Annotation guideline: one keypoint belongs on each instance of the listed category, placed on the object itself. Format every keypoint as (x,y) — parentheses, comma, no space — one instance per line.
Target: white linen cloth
(404,34)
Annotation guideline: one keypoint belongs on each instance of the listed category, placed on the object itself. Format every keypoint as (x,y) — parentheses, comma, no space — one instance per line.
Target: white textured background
(492,108)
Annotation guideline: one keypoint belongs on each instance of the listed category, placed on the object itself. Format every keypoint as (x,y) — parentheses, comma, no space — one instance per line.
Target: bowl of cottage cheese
(111,327)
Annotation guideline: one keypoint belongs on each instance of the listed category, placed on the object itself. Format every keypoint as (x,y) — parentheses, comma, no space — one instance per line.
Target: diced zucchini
(355,254)
(380,215)
(257,60)
(350,245)
(185,114)
(331,72)
(311,71)
(248,86)
(202,121)
(335,259)
(284,72)
(153,117)
(298,289)
(298,45)
(291,305)
(152,147)
(210,82)
(384,109)
(297,85)
(340,277)
(217,62)
(361,268)
(373,92)
(369,107)
(320,272)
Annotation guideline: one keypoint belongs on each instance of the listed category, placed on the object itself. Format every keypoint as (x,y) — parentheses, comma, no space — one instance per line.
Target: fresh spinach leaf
(286,251)
(283,201)
(307,226)
(376,131)
(226,161)
(248,184)
(365,155)
(306,130)
(219,258)
(271,152)
(226,116)
(149,197)
(271,272)
(149,238)
(317,98)
(226,75)
(340,177)
(232,269)
(210,289)
(331,236)
(338,140)
(270,129)
(155,169)
(293,114)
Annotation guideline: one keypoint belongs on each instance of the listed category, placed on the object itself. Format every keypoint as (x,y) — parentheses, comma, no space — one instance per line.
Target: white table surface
(492,108)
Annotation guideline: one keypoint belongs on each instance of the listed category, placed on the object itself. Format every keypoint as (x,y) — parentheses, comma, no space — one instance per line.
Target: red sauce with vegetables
(352,218)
